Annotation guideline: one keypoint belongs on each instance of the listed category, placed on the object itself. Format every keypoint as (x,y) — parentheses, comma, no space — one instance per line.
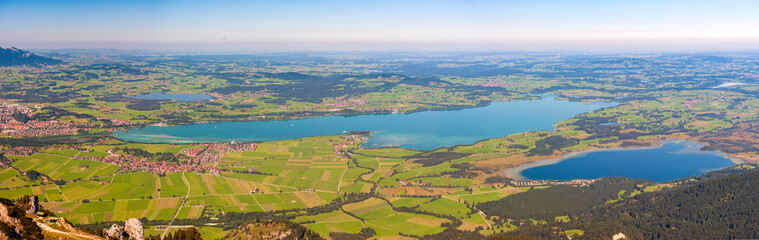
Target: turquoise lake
(420,130)
(671,161)
(180,97)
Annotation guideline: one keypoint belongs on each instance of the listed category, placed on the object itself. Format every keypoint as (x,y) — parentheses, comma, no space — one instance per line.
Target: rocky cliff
(19,220)
(132,229)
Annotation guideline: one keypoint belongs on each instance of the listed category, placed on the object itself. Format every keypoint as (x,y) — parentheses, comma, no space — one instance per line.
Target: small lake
(420,130)
(671,161)
(180,97)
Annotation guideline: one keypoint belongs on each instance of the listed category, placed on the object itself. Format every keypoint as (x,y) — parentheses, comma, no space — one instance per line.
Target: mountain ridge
(13,56)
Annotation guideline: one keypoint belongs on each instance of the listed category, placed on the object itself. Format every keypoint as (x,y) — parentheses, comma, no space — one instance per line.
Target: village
(192,160)
(17,121)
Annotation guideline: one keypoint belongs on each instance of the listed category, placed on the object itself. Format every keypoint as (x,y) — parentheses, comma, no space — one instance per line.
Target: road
(180,206)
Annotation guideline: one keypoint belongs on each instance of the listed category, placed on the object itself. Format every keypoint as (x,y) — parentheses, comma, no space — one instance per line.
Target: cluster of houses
(343,103)
(5,162)
(209,153)
(20,151)
(135,164)
(495,84)
(213,152)
(350,140)
(574,182)
(39,128)
(693,103)
(8,110)
(224,97)
(11,127)
(115,122)
(412,183)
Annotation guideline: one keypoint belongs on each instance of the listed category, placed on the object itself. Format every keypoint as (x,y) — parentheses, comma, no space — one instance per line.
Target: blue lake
(421,130)
(181,97)
(671,161)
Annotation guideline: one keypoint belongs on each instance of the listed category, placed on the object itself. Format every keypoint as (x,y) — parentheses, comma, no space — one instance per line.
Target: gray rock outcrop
(7,219)
(33,206)
(115,232)
(133,228)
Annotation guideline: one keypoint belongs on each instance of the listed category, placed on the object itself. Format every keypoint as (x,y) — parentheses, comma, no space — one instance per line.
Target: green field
(446,207)
(63,167)
(289,176)
(379,215)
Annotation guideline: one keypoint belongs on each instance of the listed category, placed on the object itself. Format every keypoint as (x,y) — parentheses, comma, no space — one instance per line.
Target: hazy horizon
(258,26)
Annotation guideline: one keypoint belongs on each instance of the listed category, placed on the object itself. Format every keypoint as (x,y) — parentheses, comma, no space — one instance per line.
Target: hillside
(559,200)
(722,208)
(272,229)
(24,219)
(13,57)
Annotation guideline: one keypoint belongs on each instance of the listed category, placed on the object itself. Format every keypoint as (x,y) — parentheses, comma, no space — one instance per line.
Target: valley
(335,160)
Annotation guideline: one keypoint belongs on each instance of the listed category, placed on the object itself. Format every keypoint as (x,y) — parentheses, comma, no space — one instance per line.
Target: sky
(358,25)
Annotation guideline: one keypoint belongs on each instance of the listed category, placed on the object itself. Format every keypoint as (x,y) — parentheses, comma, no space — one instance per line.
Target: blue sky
(382,25)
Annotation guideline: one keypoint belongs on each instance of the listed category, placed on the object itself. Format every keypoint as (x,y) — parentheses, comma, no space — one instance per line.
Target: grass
(172,185)
(574,232)
(211,233)
(308,163)
(445,181)
(127,186)
(446,207)
(387,152)
(336,221)
(61,167)
(386,222)
(10,178)
(408,202)
(406,223)
(324,228)
(487,196)
(564,218)
(654,188)
(118,210)
(289,169)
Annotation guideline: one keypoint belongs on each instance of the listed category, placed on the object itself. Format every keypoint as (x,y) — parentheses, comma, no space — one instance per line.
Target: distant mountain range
(13,56)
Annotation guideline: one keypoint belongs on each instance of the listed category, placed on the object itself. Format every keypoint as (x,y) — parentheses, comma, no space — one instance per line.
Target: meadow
(408,192)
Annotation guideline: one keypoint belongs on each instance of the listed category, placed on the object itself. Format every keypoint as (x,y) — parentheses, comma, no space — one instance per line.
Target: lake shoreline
(275,117)
(426,130)
(690,147)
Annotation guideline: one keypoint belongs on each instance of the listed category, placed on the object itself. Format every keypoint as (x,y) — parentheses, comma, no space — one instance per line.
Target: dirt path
(340,182)
(90,194)
(180,206)
(72,235)
(259,204)
(482,214)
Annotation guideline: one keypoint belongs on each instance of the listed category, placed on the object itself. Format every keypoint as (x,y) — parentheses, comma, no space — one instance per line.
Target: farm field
(378,214)
(343,184)
(64,167)
(410,193)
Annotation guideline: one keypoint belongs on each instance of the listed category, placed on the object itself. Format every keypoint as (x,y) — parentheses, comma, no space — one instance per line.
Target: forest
(717,208)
